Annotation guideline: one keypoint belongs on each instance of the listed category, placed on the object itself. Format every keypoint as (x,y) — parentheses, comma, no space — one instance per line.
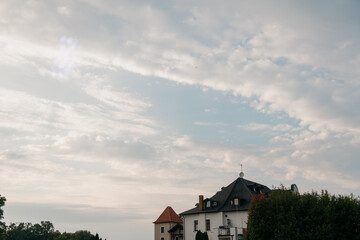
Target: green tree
(201,236)
(286,215)
(2,224)
(83,235)
(78,235)
(19,232)
(43,231)
(198,235)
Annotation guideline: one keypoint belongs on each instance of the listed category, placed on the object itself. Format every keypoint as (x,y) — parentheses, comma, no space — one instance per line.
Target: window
(208,225)
(162,229)
(236,201)
(208,204)
(176,238)
(214,204)
(196,225)
(162,238)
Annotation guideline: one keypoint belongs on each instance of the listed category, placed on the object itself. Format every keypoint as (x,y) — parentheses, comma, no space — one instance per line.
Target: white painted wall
(189,226)
(238,219)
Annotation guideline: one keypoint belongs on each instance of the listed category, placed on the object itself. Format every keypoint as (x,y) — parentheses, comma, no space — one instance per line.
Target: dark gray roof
(176,227)
(241,188)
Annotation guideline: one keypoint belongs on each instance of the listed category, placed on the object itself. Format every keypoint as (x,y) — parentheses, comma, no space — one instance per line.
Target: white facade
(232,220)
(223,216)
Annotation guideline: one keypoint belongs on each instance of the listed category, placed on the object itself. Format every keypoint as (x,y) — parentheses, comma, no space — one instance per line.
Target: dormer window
(214,204)
(235,201)
(208,204)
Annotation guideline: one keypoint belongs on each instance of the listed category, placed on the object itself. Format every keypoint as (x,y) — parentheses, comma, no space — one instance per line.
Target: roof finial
(241,173)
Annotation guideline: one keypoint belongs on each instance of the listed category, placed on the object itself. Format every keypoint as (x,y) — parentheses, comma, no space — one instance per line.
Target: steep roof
(241,189)
(176,227)
(168,215)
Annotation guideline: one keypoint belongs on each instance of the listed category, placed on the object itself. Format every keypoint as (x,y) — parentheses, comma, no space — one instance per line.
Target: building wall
(216,220)
(165,235)
(237,219)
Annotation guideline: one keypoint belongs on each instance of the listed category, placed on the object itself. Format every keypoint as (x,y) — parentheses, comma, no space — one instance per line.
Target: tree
(43,231)
(201,236)
(2,224)
(286,215)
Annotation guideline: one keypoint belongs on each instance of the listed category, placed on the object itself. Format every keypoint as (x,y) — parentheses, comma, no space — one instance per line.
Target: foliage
(28,231)
(201,236)
(2,224)
(286,215)
(43,231)
(2,203)
(79,235)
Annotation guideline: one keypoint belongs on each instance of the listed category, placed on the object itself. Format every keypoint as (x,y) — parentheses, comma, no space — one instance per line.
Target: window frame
(208,225)
(196,225)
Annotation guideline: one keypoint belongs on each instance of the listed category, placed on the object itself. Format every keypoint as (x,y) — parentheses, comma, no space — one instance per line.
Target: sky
(112,110)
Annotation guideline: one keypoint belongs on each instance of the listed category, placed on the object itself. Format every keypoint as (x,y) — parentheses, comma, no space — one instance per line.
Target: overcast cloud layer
(110,111)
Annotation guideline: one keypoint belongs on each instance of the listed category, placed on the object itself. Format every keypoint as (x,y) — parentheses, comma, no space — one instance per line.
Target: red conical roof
(168,215)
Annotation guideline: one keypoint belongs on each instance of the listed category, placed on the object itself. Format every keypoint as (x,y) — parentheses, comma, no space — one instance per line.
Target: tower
(168,226)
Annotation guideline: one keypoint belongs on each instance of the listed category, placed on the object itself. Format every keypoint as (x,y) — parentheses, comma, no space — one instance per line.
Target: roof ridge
(247,188)
(232,189)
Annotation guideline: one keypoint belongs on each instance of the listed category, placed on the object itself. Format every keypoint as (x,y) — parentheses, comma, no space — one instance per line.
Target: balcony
(229,233)
(223,231)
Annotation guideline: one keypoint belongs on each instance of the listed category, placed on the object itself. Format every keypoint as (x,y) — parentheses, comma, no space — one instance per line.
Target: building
(168,226)
(224,215)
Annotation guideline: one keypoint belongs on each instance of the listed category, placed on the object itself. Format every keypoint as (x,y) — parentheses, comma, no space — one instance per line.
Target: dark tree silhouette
(2,224)
(286,215)
(43,231)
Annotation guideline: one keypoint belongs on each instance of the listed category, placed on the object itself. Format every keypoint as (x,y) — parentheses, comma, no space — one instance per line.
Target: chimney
(201,200)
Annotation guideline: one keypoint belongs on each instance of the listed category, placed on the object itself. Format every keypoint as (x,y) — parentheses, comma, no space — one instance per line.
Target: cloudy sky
(112,110)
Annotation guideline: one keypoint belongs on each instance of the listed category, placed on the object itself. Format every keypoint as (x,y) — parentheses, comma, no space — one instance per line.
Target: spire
(241,173)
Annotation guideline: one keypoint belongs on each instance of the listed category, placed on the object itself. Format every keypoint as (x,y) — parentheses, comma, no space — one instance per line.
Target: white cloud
(264,58)
(64,10)
(209,124)
(278,88)
(98,140)
(262,126)
(42,115)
